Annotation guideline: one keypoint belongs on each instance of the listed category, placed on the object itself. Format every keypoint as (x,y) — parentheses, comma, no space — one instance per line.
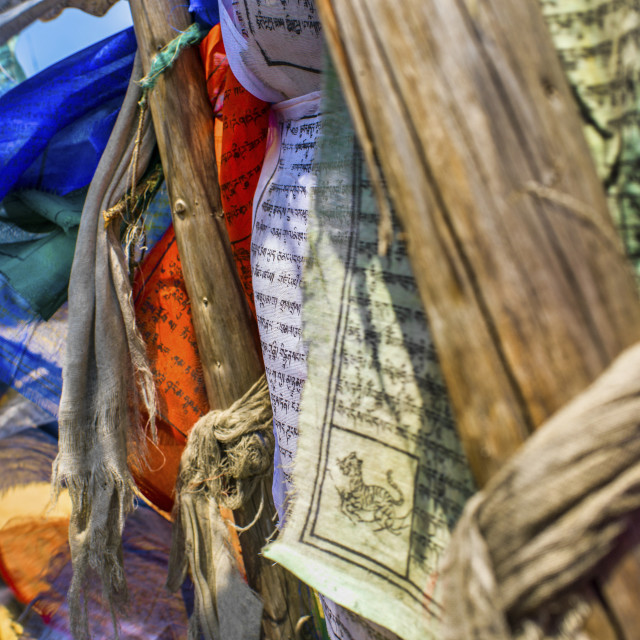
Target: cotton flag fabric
(276,54)
(274,50)
(84,92)
(600,51)
(379,476)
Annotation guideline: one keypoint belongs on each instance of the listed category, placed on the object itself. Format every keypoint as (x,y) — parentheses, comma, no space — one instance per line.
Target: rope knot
(227,455)
(229,451)
(529,542)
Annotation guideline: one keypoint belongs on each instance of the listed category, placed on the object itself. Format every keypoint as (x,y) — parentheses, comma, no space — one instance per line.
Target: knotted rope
(227,455)
(131,209)
(542,525)
(230,451)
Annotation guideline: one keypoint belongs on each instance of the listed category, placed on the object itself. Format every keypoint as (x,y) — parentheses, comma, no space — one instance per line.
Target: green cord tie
(166,58)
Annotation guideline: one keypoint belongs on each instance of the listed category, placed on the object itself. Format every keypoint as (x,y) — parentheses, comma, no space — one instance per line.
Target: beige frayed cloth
(105,376)
(227,455)
(542,525)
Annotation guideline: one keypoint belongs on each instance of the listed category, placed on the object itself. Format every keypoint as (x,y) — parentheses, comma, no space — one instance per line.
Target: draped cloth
(53,130)
(37,240)
(379,477)
(275,51)
(55,125)
(163,318)
(276,54)
(105,375)
(242,120)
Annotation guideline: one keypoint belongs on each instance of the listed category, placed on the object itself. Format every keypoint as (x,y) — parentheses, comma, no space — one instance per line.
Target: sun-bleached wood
(465,110)
(227,344)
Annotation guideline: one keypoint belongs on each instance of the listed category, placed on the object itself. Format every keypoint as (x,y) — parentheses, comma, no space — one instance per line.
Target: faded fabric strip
(106,377)
(379,477)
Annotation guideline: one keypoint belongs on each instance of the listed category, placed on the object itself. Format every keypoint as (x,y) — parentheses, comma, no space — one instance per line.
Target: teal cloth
(11,73)
(38,233)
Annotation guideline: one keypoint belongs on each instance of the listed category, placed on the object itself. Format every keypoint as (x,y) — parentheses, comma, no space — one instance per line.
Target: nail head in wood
(180,207)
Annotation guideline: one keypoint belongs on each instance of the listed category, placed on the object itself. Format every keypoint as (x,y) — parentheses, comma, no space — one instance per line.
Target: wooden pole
(464,108)
(228,350)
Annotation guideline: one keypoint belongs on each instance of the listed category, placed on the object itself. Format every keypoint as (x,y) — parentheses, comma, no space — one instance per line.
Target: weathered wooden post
(464,108)
(230,356)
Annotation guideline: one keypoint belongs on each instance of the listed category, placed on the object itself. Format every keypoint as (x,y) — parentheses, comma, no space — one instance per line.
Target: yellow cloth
(9,629)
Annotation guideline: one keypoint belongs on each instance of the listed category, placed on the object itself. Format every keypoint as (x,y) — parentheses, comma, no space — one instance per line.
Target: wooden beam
(229,352)
(464,107)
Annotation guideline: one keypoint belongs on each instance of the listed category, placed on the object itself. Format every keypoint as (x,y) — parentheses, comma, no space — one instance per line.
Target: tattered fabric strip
(545,521)
(105,376)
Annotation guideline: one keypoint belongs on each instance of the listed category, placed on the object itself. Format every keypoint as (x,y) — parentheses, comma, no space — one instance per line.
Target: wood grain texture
(464,109)
(229,352)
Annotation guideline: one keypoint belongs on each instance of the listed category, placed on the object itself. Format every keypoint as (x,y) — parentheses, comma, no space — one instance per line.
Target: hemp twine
(528,544)
(226,457)
(129,208)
